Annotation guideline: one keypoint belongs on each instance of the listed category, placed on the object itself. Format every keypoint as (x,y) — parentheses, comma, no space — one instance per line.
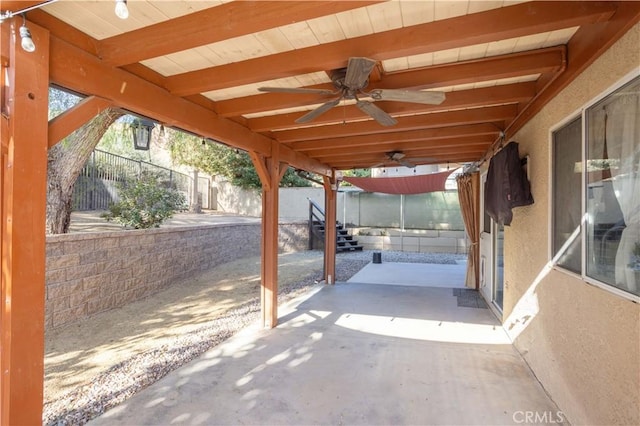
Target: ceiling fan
(398,157)
(350,83)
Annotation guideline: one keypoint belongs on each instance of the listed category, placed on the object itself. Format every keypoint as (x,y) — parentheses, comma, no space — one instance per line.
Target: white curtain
(623,143)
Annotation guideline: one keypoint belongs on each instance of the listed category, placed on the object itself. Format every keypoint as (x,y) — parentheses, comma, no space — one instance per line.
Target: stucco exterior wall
(230,199)
(582,342)
(292,204)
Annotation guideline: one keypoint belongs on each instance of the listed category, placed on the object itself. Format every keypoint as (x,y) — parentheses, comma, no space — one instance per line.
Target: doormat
(468,298)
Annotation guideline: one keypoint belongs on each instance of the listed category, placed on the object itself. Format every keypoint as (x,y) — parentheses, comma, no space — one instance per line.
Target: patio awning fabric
(402,185)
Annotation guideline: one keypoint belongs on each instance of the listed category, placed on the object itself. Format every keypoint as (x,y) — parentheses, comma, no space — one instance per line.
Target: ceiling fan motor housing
(337,78)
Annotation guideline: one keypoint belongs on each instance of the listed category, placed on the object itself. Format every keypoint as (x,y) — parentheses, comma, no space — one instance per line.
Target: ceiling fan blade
(407,164)
(296,90)
(415,96)
(318,111)
(396,155)
(358,72)
(379,115)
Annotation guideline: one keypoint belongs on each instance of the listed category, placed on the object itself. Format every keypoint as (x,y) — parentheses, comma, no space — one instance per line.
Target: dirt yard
(98,362)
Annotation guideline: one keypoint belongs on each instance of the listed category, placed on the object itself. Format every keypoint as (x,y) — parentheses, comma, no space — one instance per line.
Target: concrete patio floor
(413,274)
(352,354)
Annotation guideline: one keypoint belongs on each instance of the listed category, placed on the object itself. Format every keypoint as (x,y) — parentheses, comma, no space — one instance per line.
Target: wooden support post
(269,172)
(23,180)
(330,207)
(260,163)
(283,169)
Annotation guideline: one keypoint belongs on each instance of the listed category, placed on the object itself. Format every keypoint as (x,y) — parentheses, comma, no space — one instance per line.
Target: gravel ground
(77,404)
(402,257)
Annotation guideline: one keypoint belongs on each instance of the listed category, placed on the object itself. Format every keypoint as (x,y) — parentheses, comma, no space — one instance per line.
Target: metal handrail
(96,186)
(313,206)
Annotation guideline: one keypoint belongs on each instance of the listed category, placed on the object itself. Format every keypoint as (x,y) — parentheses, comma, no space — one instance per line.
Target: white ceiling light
(25,35)
(122,11)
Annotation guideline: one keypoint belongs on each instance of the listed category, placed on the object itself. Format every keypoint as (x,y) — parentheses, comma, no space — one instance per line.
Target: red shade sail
(419,184)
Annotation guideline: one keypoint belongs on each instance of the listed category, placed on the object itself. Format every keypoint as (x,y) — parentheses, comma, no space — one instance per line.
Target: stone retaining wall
(293,236)
(87,273)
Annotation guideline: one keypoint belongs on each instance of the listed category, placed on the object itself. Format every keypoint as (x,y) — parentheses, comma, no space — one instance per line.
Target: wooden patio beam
(484,27)
(76,70)
(587,44)
(487,96)
(357,163)
(212,25)
(156,78)
(84,42)
(66,123)
(64,31)
(15,5)
(477,146)
(458,145)
(23,183)
(419,137)
(80,71)
(539,61)
(494,114)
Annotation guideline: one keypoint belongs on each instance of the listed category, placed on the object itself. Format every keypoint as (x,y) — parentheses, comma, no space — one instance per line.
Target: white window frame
(581,112)
(570,118)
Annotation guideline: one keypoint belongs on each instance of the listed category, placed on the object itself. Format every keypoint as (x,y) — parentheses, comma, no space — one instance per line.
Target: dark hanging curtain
(469,196)
(507,185)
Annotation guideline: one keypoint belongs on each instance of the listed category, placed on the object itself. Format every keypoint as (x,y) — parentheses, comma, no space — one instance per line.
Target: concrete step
(349,248)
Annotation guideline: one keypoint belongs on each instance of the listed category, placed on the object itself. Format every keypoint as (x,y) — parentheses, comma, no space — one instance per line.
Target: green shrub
(145,203)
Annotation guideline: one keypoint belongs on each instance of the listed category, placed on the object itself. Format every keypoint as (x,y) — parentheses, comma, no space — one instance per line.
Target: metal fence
(97,186)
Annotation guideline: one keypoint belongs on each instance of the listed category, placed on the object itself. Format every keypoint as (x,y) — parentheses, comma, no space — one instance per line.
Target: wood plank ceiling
(198,65)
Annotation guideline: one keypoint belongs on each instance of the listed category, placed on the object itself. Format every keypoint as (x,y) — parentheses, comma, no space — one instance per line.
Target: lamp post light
(141,129)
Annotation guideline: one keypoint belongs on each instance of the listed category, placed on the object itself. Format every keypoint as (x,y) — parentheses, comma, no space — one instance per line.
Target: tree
(68,157)
(355,173)
(217,159)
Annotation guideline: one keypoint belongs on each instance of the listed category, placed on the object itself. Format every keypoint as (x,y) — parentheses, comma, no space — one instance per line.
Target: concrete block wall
(92,272)
(293,236)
